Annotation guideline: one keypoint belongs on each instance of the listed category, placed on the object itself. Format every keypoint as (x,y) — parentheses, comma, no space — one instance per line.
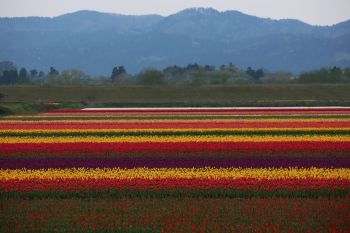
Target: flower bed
(143,160)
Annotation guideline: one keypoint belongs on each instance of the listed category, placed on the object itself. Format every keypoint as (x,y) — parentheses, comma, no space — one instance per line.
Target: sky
(316,12)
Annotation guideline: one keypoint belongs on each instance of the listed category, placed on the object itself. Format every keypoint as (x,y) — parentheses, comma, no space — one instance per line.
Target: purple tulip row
(173,162)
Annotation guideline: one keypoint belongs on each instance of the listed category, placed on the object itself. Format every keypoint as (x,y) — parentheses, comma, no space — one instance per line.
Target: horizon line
(164,15)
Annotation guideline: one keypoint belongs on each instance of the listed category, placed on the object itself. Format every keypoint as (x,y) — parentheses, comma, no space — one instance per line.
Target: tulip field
(176,170)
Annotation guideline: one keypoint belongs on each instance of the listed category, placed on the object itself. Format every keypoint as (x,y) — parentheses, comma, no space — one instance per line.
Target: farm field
(179,96)
(176,170)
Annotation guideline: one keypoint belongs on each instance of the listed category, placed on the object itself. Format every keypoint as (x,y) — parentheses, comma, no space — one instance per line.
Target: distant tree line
(324,75)
(192,74)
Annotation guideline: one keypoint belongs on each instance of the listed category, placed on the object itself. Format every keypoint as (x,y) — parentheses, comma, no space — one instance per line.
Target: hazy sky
(320,12)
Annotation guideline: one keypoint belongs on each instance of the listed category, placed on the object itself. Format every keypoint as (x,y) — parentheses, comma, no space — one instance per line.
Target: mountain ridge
(96,42)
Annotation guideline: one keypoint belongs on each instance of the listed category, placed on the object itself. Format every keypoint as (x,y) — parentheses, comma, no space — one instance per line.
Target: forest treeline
(192,74)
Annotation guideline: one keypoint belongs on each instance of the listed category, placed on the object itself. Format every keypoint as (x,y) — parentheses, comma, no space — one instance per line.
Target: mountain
(96,42)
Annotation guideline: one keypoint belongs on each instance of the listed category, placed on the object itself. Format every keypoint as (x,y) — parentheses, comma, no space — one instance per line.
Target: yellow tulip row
(120,139)
(163,173)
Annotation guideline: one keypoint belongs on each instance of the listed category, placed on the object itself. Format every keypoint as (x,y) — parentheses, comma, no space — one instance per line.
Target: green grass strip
(224,193)
(130,230)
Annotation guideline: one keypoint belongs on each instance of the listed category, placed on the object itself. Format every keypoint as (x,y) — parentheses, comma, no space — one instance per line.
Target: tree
(255,74)
(41,74)
(9,77)
(173,71)
(3,110)
(33,74)
(194,66)
(53,72)
(259,74)
(250,71)
(209,68)
(324,75)
(53,77)
(23,73)
(174,74)
(36,77)
(151,77)
(6,65)
(69,77)
(23,76)
(118,72)
(347,73)
(219,78)
(8,73)
(73,77)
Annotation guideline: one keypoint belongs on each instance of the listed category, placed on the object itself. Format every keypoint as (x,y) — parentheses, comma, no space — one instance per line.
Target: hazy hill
(95,42)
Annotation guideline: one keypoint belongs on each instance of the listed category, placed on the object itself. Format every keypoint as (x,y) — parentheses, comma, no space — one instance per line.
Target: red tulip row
(177,148)
(173,184)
